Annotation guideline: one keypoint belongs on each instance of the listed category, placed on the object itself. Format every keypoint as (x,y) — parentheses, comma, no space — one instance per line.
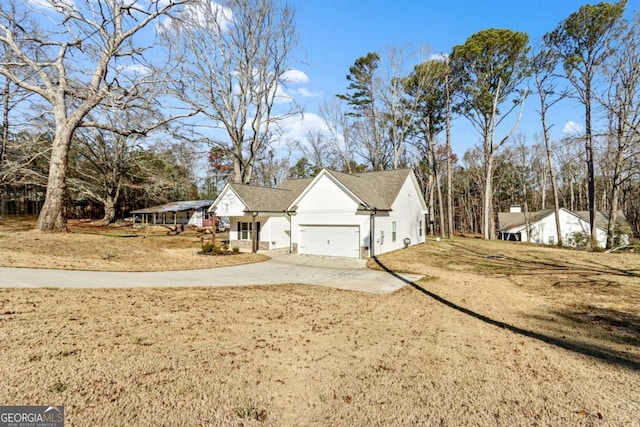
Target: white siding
(278,229)
(407,212)
(230,205)
(274,230)
(197,219)
(544,230)
(327,204)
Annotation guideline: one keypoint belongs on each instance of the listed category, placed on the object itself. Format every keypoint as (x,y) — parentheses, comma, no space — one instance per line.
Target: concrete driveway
(334,272)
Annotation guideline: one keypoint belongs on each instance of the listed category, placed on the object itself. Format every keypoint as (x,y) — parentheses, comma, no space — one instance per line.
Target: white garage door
(331,240)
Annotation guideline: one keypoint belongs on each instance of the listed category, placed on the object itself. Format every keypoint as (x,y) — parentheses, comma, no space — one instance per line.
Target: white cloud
(54,5)
(438,57)
(297,128)
(204,14)
(137,69)
(306,93)
(290,78)
(281,96)
(571,128)
(294,76)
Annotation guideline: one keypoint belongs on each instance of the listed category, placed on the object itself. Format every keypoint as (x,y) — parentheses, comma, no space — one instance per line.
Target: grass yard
(497,334)
(90,246)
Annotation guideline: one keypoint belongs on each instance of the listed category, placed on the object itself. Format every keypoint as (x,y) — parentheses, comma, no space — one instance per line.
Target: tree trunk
(552,175)
(109,210)
(438,185)
(612,217)
(449,165)
(573,194)
(527,219)
(615,187)
(237,170)
(556,199)
(591,179)
(52,214)
(432,212)
(487,200)
(543,196)
(5,120)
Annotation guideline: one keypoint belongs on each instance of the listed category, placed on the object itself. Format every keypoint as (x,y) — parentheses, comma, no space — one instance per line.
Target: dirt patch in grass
(91,246)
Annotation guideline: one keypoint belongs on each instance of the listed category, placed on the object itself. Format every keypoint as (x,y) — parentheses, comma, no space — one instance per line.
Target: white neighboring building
(191,212)
(334,214)
(540,226)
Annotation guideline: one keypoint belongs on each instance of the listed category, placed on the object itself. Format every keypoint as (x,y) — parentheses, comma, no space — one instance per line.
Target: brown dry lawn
(497,334)
(90,246)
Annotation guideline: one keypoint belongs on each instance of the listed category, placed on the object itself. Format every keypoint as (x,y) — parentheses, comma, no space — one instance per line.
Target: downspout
(290,232)
(372,234)
(214,228)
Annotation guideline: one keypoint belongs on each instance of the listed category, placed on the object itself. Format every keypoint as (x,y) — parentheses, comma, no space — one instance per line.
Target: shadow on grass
(602,354)
(537,265)
(610,324)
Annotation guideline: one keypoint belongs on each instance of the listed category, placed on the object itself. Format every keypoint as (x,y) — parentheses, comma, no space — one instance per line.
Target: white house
(191,212)
(335,214)
(540,226)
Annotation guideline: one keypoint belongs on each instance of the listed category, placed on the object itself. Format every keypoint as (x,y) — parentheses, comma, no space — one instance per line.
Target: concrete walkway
(334,272)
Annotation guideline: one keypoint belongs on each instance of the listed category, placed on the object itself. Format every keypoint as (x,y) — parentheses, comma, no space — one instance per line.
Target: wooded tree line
(118,103)
(590,58)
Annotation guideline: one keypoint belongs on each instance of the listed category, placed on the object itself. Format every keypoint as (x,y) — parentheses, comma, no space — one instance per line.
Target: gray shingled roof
(175,207)
(266,199)
(508,220)
(514,219)
(375,189)
(602,219)
(296,185)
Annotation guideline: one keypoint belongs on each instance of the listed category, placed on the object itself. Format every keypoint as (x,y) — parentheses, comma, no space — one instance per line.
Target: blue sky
(334,33)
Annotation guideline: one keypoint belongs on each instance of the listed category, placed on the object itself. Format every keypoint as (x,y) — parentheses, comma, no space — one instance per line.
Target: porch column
(254,234)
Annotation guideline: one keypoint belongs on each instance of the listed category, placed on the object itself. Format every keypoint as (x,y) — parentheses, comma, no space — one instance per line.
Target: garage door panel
(330,240)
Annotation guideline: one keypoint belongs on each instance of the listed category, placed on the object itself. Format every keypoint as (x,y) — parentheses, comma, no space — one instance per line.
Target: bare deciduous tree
(397,107)
(105,163)
(233,65)
(543,65)
(622,103)
(582,42)
(426,87)
(76,69)
(339,135)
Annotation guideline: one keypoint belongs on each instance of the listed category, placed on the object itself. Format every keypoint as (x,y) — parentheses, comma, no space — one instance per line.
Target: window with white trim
(245,230)
(393,231)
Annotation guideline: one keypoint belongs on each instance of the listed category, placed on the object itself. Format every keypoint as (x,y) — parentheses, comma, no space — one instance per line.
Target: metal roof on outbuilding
(175,207)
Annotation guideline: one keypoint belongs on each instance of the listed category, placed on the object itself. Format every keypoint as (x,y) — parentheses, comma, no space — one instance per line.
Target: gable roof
(507,220)
(515,219)
(377,189)
(264,199)
(374,190)
(602,219)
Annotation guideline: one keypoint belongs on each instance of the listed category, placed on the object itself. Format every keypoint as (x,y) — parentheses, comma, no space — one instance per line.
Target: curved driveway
(325,271)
